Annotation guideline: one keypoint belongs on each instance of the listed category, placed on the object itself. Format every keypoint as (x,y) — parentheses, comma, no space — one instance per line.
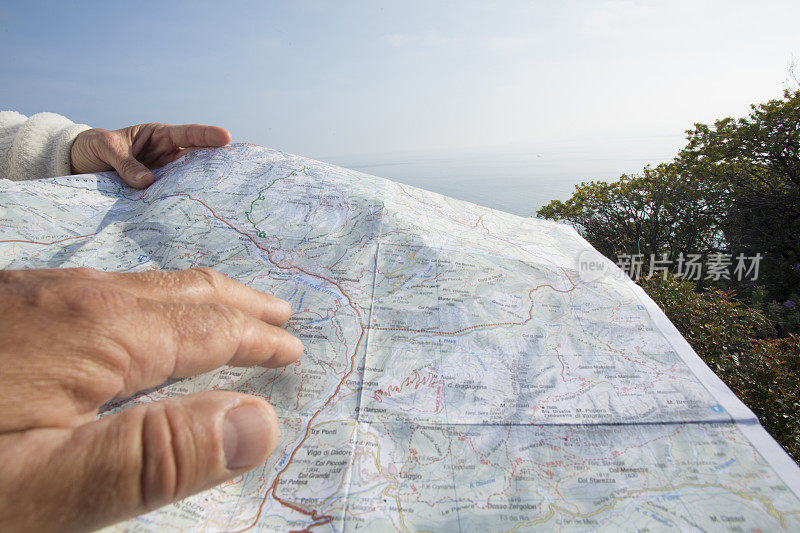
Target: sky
(409,90)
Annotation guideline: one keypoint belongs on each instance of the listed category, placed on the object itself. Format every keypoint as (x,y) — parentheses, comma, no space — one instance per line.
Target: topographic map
(459,373)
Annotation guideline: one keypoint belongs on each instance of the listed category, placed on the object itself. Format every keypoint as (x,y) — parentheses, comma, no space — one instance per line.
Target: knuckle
(231,317)
(159,474)
(84,273)
(208,276)
(130,165)
(95,377)
(273,336)
(172,456)
(160,131)
(228,324)
(104,136)
(117,363)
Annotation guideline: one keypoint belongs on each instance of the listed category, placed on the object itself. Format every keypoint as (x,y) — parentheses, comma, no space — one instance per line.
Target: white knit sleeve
(36,147)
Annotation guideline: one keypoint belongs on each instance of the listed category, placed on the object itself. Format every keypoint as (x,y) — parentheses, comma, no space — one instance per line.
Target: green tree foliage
(718,327)
(660,210)
(734,188)
(755,163)
(784,315)
(733,340)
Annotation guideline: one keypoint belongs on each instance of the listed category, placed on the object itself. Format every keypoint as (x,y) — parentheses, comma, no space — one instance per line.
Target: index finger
(198,135)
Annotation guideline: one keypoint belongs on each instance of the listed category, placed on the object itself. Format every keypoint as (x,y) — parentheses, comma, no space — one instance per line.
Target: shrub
(736,342)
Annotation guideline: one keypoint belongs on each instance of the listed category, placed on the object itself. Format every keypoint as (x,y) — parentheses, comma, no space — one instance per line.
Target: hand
(134,150)
(71,340)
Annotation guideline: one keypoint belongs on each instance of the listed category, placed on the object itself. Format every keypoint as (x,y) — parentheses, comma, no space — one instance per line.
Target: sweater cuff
(62,149)
(42,146)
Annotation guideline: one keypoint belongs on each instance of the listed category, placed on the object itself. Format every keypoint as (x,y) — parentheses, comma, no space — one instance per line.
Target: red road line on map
(50,243)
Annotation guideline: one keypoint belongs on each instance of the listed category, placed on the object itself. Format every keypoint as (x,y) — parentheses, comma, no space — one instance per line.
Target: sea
(515,180)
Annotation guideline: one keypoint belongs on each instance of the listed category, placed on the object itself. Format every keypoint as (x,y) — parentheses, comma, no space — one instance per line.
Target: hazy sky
(360,80)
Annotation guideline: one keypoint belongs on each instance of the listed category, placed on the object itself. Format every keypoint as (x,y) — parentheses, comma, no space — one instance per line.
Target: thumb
(130,463)
(120,156)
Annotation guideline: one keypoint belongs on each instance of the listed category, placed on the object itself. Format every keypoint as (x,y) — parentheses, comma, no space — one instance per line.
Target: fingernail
(245,436)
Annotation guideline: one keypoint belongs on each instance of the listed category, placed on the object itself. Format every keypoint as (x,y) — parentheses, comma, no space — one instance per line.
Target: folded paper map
(464,369)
